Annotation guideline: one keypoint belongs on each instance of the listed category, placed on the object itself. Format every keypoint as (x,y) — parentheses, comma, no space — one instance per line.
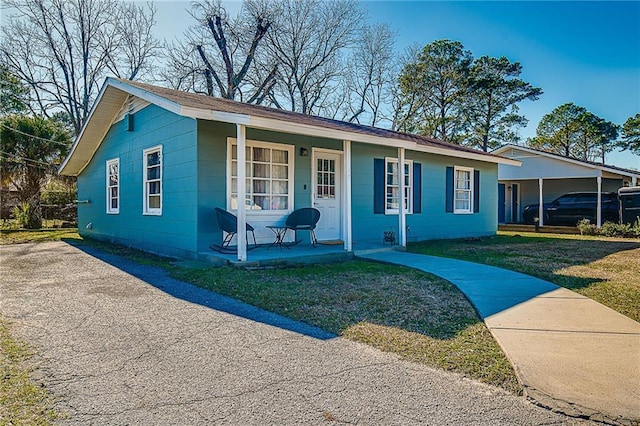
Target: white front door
(327,194)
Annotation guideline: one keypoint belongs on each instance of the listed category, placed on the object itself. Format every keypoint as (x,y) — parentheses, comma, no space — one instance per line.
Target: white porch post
(634,180)
(599,208)
(346,217)
(241,234)
(402,219)
(540,203)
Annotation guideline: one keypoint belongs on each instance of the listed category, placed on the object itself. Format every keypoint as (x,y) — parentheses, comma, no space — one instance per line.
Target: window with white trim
(462,190)
(392,186)
(269,176)
(152,169)
(113,186)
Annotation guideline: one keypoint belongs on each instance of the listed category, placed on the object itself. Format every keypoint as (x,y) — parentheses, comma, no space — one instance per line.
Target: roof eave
(603,168)
(318,131)
(71,168)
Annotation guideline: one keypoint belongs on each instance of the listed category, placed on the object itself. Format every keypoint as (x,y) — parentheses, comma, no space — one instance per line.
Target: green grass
(19,236)
(418,316)
(22,401)
(604,269)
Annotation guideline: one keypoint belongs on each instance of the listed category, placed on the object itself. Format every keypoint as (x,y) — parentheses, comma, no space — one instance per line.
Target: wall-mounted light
(304,152)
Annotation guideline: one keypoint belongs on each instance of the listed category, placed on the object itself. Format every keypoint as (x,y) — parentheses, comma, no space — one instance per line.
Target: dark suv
(569,209)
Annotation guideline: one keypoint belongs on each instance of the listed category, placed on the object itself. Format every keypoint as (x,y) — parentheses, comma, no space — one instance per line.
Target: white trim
(599,202)
(534,152)
(314,177)
(146,210)
(97,140)
(409,209)
(346,194)
(143,94)
(402,218)
(109,209)
(339,187)
(241,231)
(515,215)
(471,189)
(290,176)
(310,130)
(540,203)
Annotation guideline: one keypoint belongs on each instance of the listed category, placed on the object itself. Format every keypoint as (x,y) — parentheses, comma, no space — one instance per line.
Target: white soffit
(115,93)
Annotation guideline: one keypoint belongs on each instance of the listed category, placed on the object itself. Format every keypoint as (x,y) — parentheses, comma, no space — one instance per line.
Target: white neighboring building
(544,176)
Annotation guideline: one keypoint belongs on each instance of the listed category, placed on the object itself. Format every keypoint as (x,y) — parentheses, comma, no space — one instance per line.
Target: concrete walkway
(571,353)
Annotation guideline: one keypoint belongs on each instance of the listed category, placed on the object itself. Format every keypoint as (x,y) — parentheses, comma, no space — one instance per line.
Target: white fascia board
(207,114)
(566,159)
(84,126)
(546,178)
(87,122)
(147,96)
(309,130)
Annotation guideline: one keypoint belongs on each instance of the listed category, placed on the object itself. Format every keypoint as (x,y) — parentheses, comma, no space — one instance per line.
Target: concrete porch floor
(302,253)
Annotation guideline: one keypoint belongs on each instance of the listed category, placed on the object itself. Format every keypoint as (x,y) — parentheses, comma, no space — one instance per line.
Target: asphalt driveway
(121,343)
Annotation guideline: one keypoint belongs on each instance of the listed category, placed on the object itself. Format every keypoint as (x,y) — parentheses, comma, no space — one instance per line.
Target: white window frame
(470,170)
(408,186)
(290,175)
(157,211)
(109,186)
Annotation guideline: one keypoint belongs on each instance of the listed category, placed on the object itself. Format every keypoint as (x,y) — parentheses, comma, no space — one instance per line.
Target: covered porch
(317,173)
(265,256)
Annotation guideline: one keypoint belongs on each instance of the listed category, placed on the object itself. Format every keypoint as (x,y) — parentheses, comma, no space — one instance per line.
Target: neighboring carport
(544,176)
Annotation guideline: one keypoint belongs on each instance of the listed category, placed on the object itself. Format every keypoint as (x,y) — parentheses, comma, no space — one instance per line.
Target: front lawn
(606,270)
(413,314)
(416,315)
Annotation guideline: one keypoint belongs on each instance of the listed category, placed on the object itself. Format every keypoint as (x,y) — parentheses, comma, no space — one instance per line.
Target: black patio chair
(229,224)
(304,219)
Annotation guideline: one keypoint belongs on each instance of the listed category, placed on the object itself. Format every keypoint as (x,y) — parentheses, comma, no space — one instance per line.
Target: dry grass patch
(416,315)
(606,270)
(22,401)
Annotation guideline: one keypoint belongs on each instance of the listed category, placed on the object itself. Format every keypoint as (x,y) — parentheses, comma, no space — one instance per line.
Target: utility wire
(33,136)
(27,159)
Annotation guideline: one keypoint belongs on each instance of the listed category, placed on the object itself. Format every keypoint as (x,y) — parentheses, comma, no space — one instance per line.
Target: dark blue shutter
(378,185)
(449,190)
(417,188)
(476,191)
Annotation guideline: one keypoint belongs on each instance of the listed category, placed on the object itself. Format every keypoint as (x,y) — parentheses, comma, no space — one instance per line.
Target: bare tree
(63,49)
(370,75)
(307,39)
(219,55)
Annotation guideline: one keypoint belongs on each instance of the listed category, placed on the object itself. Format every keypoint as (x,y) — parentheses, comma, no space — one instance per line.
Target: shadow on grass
(415,315)
(332,298)
(161,279)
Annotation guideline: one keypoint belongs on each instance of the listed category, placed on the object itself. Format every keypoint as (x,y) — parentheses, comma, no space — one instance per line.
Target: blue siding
(194,183)
(212,180)
(433,221)
(173,233)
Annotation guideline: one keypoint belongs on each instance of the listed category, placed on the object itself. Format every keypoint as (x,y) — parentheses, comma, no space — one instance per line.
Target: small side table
(279,231)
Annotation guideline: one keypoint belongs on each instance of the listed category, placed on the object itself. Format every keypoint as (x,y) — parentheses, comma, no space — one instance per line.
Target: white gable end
(535,166)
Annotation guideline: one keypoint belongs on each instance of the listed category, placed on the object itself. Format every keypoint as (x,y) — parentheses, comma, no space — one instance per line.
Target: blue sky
(587,53)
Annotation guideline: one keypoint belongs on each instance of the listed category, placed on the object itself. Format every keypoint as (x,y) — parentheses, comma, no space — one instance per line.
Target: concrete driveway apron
(120,343)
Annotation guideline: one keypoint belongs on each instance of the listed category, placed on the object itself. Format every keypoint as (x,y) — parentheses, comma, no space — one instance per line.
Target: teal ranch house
(152,164)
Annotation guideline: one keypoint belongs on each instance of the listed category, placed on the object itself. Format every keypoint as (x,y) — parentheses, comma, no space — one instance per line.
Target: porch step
(542,229)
